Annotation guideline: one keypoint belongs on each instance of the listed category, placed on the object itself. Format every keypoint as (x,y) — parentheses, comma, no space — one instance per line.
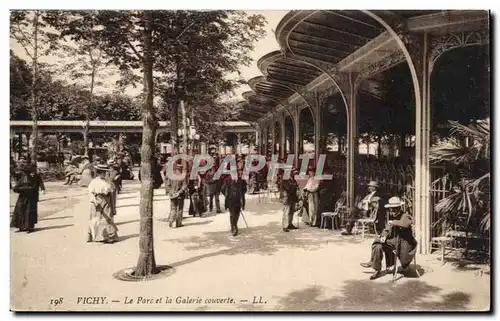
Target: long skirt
(25,213)
(313,202)
(101,225)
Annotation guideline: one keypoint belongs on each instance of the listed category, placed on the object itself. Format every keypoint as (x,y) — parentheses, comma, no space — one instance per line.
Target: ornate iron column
(257,140)
(282,135)
(418,50)
(317,127)
(351,89)
(296,135)
(273,135)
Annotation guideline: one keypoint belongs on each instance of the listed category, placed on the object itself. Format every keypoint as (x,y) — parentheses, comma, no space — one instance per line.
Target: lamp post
(181,134)
(189,137)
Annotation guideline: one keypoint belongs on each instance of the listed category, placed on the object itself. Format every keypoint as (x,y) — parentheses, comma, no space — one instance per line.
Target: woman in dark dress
(26,211)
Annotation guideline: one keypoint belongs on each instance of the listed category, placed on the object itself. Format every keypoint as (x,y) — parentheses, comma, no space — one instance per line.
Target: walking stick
(396,260)
(243,216)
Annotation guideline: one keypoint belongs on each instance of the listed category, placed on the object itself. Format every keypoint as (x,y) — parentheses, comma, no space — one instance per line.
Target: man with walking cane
(234,190)
(395,241)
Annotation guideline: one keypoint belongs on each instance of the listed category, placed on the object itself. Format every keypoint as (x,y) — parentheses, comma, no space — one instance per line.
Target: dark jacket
(234,192)
(213,185)
(26,211)
(400,235)
(289,189)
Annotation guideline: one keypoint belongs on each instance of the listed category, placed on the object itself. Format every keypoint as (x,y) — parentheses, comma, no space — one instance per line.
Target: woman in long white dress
(312,191)
(101,226)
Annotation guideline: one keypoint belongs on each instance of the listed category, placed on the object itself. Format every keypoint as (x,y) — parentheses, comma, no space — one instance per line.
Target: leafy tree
(20,82)
(207,47)
(83,60)
(115,107)
(147,41)
(28,29)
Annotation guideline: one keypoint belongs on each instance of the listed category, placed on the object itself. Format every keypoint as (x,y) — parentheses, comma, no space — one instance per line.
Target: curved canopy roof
(346,40)
(276,67)
(327,35)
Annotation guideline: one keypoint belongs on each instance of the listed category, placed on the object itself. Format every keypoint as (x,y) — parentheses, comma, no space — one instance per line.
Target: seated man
(71,173)
(363,207)
(397,237)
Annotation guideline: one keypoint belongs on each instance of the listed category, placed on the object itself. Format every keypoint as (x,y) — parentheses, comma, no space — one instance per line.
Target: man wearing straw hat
(397,238)
(363,207)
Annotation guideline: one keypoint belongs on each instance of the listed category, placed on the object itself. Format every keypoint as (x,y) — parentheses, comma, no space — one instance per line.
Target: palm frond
(451,150)
(486,222)
(479,132)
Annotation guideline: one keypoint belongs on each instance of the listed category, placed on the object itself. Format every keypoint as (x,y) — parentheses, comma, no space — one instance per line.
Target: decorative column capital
(442,44)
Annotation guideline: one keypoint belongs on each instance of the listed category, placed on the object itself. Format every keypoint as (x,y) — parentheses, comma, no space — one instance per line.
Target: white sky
(262,47)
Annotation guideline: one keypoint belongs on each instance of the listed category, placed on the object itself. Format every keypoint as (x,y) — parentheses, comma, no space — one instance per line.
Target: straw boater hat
(102,167)
(373,184)
(394,202)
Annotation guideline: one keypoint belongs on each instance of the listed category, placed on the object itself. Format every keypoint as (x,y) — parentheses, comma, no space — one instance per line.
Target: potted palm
(468,150)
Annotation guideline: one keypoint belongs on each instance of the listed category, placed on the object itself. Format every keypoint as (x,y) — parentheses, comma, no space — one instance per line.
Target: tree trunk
(184,127)
(174,125)
(146,264)
(87,111)
(86,137)
(20,146)
(379,146)
(34,115)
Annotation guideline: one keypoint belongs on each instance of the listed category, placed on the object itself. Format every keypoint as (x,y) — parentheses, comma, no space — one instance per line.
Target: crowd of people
(104,181)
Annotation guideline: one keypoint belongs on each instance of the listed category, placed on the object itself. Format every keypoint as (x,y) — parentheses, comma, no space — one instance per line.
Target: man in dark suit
(289,189)
(397,237)
(234,193)
(214,186)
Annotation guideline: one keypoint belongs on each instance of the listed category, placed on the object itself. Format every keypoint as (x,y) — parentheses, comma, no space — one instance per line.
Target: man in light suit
(363,207)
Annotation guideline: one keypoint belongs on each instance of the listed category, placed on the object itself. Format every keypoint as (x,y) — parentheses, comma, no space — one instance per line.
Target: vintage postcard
(303,160)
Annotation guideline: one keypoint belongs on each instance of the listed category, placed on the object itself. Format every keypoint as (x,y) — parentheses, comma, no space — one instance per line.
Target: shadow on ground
(126,237)
(39,229)
(264,240)
(197,223)
(360,295)
(127,222)
(55,218)
(137,204)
